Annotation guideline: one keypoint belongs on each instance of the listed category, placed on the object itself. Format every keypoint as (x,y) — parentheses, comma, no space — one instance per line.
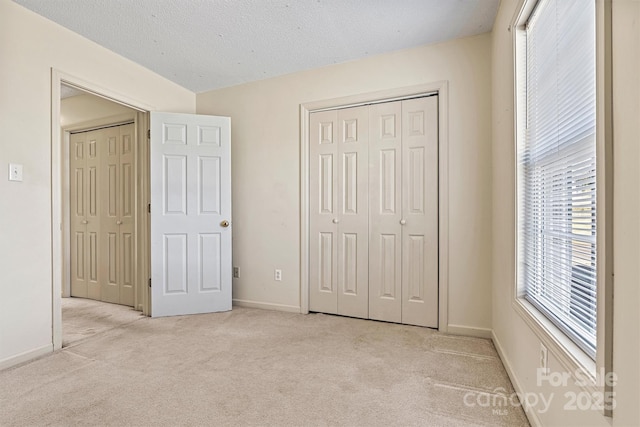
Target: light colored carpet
(82,318)
(255,367)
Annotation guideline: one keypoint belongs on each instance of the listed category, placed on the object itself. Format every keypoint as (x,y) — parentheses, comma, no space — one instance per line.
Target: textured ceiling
(209,44)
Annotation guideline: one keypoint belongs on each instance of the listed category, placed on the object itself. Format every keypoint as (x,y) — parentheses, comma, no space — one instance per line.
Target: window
(557,169)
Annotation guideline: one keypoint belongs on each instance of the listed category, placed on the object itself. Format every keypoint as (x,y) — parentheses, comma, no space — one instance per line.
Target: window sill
(572,358)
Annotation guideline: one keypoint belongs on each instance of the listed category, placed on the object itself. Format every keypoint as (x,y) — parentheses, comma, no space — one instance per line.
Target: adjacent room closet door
(401,219)
(339,212)
(117,191)
(102,215)
(85,218)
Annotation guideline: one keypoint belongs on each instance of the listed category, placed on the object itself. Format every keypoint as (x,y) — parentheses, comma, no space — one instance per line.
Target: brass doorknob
(224,223)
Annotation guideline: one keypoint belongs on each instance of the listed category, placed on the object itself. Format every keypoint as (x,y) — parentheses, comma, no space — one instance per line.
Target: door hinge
(149,207)
(149,281)
(149,133)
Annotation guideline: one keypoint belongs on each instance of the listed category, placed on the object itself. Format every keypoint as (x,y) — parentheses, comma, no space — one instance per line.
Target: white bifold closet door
(338,199)
(374,211)
(102,194)
(403,212)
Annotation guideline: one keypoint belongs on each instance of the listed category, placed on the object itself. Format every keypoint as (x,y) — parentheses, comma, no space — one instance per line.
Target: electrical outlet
(277,275)
(543,357)
(236,272)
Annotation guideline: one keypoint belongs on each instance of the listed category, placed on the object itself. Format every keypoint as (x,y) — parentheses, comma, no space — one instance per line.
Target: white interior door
(323,212)
(420,211)
(385,245)
(190,214)
(339,207)
(353,209)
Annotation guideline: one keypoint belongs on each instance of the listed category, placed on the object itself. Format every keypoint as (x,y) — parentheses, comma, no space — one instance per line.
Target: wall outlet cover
(15,172)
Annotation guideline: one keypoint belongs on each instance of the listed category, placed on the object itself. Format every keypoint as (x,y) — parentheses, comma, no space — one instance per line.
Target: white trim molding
(266,306)
(27,356)
(470,331)
(441,88)
(532,415)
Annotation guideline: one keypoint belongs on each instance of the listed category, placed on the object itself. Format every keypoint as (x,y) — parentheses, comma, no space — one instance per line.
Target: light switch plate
(15,172)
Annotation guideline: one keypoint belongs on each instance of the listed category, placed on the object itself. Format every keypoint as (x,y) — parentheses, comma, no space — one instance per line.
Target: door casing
(441,88)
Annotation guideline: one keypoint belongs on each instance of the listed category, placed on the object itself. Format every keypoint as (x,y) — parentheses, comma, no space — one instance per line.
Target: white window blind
(557,169)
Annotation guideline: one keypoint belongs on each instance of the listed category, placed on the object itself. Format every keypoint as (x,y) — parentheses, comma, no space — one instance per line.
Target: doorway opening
(187,240)
(99,144)
(100,191)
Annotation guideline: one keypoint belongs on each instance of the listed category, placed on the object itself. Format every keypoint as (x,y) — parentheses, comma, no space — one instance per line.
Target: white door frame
(441,88)
(58,208)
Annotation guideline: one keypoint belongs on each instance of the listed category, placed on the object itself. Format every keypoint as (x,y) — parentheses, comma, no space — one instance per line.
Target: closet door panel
(109,148)
(323,212)
(126,212)
(420,212)
(353,209)
(93,217)
(102,197)
(78,205)
(385,212)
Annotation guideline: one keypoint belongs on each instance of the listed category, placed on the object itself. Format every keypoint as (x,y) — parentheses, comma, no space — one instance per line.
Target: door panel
(92,216)
(353,208)
(84,219)
(209,257)
(339,212)
(326,256)
(385,192)
(190,199)
(126,215)
(323,250)
(209,183)
(78,230)
(108,149)
(420,207)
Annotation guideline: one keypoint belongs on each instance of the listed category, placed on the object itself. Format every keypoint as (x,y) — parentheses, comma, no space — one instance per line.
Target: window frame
(572,358)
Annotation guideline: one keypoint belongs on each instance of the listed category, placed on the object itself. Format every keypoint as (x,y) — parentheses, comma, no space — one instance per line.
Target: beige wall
(519,344)
(85,108)
(266,157)
(29,47)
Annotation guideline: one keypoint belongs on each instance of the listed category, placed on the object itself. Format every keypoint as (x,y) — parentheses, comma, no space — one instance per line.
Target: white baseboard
(469,331)
(266,306)
(25,357)
(532,416)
